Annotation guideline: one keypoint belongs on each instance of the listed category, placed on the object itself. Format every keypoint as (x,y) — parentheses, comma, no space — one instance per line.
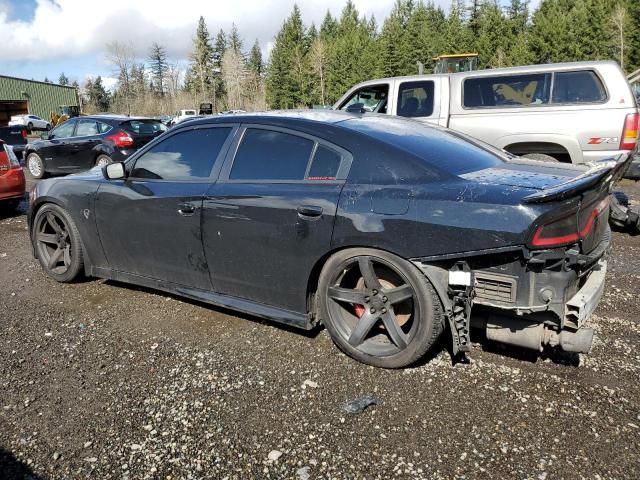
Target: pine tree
(235,42)
(202,63)
(63,80)
(458,36)
(425,36)
(495,36)
(633,56)
(158,66)
(46,80)
(329,26)
(255,60)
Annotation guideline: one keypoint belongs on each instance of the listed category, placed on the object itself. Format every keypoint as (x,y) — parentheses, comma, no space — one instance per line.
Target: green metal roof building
(19,96)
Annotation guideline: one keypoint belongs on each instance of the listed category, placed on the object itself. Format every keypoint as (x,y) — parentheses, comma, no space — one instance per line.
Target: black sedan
(382,229)
(84,142)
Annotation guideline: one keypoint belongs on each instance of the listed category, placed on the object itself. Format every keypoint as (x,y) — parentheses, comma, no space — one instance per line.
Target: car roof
(112,117)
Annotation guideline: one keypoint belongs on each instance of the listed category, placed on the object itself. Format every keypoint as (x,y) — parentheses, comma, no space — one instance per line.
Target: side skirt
(294,319)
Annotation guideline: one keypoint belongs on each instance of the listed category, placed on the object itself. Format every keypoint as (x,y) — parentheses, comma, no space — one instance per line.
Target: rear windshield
(144,127)
(445,150)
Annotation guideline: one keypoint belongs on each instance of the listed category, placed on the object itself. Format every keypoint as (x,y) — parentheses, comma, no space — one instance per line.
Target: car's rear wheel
(48,127)
(103,161)
(30,126)
(379,308)
(57,243)
(35,165)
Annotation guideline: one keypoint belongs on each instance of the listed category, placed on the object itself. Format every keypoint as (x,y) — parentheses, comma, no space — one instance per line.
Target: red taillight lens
(24,133)
(630,132)
(565,231)
(120,139)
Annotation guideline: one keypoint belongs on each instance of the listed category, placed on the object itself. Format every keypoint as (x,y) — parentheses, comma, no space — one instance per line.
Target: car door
(269,217)
(57,151)
(149,223)
(86,138)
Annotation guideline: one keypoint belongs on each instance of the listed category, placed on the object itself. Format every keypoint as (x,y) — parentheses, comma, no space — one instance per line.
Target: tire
(35,165)
(48,127)
(103,160)
(400,317)
(542,157)
(30,126)
(57,243)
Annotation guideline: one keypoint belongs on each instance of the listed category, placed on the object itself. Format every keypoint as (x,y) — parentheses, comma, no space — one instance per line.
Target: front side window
(86,128)
(63,131)
(507,91)
(415,99)
(271,155)
(578,87)
(373,98)
(187,155)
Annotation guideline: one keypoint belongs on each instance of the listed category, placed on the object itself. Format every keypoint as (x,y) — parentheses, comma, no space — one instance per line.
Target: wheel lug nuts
(373,310)
(375,292)
(384,310)
(366,299)
(385,299)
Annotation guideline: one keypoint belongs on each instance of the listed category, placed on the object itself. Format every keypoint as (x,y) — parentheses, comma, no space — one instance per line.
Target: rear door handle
(186,209)
(309,211)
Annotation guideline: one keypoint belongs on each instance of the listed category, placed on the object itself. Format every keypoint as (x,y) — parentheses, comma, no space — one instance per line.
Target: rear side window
(271,155)
(415,99)
(143,127)
(103,127)
(186,155)
(86,128)
(507,91)
(325,164)
(578,87)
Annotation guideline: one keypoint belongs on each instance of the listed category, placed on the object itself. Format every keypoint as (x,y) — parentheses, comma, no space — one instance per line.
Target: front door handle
(186,209)
(309,211)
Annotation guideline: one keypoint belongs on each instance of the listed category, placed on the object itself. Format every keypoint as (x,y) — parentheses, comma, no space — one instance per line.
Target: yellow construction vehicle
(456,62)
(64,113)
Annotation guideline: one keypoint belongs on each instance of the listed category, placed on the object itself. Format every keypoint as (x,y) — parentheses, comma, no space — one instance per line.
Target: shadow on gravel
(313,333)
(13,469)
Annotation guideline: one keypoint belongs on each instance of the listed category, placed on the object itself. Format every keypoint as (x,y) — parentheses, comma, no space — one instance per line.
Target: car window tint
(415,99)
(86,128)
(578,87)
(63,131)
(183,156)
(144,127)
(373,98)
(507,91)
(325,165)
(103,127)
(270,155)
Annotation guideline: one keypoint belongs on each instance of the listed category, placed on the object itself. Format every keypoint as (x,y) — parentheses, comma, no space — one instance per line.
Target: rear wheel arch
(552,149)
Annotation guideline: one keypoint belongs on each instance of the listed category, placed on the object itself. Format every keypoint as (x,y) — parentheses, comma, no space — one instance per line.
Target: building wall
(42,97)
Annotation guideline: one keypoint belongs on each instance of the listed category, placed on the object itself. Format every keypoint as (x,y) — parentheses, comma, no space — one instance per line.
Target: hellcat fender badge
(86,212)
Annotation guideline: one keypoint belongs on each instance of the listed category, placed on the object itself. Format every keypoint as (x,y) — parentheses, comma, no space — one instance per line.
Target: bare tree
(618,22)
(121,57)
(319,61)
(234,75)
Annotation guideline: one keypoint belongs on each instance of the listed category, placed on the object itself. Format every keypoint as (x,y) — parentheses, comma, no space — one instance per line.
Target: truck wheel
(57,243)
(35,165)
(378,308)
(542,157)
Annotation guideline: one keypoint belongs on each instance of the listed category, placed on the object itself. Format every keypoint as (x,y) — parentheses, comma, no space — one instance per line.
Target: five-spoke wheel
(57,243)
(378,307)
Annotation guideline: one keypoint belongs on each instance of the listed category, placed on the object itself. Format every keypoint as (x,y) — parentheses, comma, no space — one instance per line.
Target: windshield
(446,150)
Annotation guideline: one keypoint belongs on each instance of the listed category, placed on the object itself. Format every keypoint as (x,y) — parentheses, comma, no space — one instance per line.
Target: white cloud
(62,29)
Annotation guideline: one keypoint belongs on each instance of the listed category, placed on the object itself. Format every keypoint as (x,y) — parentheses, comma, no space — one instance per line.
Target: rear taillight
(566,230)
(120,139)
(630,132)
(8,159)
(24,133)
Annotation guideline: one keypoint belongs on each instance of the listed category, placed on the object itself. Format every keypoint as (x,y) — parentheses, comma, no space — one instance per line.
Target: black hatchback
(82,143)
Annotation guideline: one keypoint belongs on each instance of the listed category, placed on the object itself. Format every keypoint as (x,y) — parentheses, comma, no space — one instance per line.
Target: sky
(42,38)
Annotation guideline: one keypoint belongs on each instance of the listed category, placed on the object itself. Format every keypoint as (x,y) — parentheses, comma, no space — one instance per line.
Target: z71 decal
(599,140)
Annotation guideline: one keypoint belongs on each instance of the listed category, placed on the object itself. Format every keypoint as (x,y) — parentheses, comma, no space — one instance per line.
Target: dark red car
(12,184)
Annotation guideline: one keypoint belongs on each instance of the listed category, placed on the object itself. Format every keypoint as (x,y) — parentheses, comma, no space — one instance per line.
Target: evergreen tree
(63,80)
(329,27)
(255,60)
(46,80)
(235,42)
(158,66)
(495,36)
(633,35)
(202,63)
(425,36)
(97,95)
(458,36)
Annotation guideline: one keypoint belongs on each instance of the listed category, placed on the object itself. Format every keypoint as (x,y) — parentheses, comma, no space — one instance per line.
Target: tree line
(314,65)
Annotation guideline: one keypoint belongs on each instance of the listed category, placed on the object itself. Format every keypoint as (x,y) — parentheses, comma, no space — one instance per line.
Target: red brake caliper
(359,309)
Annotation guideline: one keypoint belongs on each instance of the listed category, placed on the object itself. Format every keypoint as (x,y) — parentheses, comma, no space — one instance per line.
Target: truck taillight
(565,231)
(630,132)
(24,133)
(120,139)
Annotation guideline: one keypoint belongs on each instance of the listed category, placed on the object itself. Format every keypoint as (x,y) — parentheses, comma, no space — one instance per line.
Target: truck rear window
(578,87)
(143,127)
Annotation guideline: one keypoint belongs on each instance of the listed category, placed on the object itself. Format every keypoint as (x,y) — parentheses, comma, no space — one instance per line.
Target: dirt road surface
(106,381)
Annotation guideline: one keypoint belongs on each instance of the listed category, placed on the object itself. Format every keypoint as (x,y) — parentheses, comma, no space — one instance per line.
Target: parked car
(381,228)
(16,137)
(32,122)
(183,115)
(84,142)
(12,183)
(572,112)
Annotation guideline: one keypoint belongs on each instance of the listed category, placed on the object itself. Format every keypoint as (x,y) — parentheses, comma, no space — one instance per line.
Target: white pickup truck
(574,112)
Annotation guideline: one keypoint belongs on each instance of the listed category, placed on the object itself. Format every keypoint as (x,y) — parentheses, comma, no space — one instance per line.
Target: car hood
(531,174)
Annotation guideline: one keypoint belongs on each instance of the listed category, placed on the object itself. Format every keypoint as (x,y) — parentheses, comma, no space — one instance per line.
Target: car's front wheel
(57,243)
(379,308)
(35,165)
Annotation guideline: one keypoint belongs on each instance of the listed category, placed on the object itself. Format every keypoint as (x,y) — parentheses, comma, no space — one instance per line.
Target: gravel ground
(102,380)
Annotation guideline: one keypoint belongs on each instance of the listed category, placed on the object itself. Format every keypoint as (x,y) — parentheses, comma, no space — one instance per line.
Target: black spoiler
(607,171)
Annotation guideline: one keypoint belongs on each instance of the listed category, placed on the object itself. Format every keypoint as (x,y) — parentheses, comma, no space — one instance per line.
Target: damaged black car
(382,229)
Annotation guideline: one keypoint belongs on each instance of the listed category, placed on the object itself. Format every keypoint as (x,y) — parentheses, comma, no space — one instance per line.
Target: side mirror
(114,171)
(45,136)
(356,108)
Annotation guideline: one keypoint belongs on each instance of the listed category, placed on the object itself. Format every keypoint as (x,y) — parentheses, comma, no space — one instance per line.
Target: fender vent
(495,287)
